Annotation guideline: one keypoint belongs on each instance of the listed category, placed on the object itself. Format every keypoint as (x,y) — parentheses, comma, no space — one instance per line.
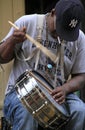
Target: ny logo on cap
(73,23)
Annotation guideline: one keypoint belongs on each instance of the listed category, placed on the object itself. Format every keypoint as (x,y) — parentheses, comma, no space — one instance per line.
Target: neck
(50,25)
(47,21)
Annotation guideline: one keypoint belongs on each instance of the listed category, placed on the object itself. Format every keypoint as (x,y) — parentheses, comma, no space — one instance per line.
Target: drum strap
(39,30)
(40,127)
(36,52)
(60,61)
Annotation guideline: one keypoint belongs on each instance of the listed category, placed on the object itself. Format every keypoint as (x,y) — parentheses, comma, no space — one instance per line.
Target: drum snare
(32,92)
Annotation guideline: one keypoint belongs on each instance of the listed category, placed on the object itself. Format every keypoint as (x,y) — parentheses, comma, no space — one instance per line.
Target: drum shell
(39,102)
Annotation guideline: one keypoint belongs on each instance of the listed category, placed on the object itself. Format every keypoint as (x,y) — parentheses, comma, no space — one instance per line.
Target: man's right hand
(19,35)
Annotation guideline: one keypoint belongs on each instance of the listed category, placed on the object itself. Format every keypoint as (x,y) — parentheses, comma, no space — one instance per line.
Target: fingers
(58,95)
(24,29)
(19,32)
(19,35)
(59,98)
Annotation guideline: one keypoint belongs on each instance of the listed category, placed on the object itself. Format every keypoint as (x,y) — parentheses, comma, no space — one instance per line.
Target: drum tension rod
(40,107)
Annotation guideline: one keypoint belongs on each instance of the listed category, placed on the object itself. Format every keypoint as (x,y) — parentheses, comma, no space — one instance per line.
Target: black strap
(40,127)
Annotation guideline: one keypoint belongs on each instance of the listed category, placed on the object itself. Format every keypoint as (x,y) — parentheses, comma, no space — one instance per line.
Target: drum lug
(40,107)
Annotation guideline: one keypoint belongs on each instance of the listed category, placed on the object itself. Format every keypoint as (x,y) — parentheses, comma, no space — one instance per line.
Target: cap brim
(67,35)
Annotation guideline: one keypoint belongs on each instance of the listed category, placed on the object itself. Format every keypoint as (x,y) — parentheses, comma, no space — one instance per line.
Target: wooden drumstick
(47,52)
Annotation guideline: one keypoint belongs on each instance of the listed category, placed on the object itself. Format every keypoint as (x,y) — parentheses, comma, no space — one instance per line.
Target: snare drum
(32,92)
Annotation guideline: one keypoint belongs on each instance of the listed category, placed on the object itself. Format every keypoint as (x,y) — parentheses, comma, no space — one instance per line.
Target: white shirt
(74,54)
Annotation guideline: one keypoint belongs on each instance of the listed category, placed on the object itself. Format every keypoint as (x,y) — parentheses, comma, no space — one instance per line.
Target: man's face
(53,33)
(52,26)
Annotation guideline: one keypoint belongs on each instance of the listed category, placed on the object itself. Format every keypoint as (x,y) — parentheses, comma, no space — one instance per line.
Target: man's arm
(74,84)
(7,47)
(7,50)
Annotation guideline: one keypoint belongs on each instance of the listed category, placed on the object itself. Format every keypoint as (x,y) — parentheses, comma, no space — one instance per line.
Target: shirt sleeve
(79,64)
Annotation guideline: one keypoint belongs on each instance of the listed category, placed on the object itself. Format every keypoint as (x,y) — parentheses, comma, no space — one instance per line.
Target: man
(60,31)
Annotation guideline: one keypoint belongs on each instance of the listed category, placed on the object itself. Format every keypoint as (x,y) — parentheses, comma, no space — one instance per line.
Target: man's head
(68,17)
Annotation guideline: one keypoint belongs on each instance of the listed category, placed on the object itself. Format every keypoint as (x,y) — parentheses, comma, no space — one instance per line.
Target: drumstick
(47,52)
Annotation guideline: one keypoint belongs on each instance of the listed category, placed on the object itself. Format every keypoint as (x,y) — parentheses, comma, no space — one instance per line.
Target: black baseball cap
(69,14)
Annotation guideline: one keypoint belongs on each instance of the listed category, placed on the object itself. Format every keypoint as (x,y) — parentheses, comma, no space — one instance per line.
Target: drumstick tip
(10,23)
(13,25)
